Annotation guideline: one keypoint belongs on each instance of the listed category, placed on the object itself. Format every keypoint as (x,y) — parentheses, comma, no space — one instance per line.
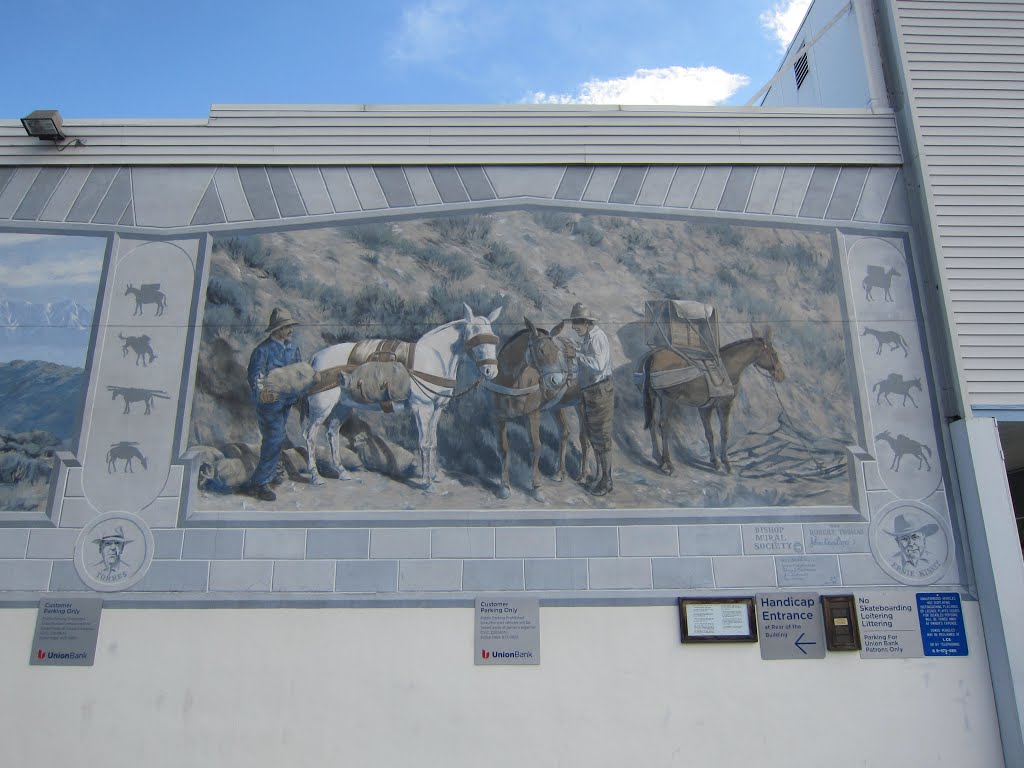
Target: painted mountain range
(57,331)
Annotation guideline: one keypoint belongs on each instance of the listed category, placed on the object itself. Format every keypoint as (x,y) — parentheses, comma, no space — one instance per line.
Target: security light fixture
(45,125)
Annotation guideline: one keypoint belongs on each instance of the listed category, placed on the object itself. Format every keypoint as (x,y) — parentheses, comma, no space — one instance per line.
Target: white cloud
(691,86)
(76,269)
(12,239)
(782,20)
(432,30)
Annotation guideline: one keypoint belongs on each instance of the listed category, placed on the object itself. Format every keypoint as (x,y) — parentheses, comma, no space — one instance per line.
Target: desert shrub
(639,239)
(553,221)
(727,277)
(377,306)
(795,254)
(371,258)
(249,250)
(588,232)
(503,258)
(231,293)
(453,264)
(16,467)
(724,234)
(374,236)
(628,260)
(447,299)
(559,275)
(218,318)
(463,229)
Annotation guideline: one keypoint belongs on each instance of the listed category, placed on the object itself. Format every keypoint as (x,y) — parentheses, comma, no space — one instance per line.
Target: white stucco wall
(388,687)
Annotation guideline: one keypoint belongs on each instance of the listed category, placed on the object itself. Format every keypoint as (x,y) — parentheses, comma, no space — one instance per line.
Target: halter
(475,341)
(423,379)
(560,366)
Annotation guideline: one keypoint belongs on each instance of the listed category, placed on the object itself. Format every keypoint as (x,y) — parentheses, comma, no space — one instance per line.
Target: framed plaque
(717,620)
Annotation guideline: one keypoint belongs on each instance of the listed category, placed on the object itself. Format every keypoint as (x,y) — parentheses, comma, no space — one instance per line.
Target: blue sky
(158,59)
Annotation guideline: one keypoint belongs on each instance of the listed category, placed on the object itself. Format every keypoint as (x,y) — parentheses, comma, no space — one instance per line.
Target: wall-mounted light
(44,124)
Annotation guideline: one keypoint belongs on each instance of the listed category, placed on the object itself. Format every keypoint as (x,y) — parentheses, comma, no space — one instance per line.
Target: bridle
(560,366)
(475,341)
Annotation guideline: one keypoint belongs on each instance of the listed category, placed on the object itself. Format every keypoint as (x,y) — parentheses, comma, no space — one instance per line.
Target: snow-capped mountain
(25,315)
(56,330)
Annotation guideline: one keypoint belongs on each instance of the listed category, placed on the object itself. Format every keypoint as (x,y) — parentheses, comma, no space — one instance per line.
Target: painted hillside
(399,279)
(41,405)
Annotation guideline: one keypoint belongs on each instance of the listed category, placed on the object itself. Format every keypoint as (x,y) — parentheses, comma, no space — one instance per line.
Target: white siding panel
(383,135)
(964,63)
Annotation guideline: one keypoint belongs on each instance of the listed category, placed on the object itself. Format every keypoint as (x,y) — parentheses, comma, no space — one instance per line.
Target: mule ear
(494,315)
(767,333)
(557,329)
(532,328)
(469,313)
(753,331)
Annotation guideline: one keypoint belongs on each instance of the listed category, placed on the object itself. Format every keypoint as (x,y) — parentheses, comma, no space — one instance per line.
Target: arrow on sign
(801,645)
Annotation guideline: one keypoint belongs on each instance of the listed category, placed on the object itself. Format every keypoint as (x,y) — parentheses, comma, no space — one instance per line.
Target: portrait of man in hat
(912,540)
(111,567)
(272,408)
(594,358)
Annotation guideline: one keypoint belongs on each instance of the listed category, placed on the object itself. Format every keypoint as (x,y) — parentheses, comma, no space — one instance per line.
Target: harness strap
(503,390)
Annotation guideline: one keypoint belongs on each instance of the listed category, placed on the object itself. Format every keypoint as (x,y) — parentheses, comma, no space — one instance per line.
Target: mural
(520,360)
(47,302)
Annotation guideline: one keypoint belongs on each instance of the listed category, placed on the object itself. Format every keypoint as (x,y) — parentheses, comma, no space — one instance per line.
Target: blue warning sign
(942,624)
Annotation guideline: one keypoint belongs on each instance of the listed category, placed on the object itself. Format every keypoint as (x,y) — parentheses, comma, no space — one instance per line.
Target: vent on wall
(801,70)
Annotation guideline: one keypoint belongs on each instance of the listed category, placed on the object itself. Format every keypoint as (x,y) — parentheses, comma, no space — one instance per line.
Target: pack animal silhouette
(147,293)
(127,452)
(140,346)
(879,277)
(902,446)
(893,339)
(136,395)
(895,384)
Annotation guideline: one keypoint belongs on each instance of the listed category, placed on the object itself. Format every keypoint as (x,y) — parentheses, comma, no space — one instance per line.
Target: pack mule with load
(687,366)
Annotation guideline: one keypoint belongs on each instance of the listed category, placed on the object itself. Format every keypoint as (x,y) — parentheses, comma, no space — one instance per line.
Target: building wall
(837,69)
(269,683)
(958,68)
(398,686)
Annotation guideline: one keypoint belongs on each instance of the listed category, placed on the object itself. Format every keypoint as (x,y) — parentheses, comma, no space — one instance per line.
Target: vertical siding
(964,67)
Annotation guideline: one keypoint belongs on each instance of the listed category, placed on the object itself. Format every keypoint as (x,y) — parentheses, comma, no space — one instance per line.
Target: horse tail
(927,449)
(303,410)
(648,396)
(877,386)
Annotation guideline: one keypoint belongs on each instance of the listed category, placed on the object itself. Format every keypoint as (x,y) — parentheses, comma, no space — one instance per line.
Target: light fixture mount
(44,124)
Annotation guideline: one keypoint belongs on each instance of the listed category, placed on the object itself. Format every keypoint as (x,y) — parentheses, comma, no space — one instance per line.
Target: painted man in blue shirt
(272,408)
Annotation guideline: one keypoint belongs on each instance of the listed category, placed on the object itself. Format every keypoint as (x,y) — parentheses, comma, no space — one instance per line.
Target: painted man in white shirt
(594,357)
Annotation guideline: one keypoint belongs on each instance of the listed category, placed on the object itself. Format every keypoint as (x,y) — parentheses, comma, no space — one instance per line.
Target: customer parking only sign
(507,631)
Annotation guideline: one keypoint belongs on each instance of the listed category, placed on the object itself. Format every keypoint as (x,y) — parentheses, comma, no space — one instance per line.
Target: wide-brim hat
(117,535)
(579,311)
(902,527)
(279,318)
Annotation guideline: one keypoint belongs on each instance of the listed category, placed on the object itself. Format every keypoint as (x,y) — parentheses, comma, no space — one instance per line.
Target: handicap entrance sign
(789,625)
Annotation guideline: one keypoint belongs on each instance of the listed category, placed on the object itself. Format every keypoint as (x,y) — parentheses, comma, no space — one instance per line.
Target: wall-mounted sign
(789,625)
(902,625)
(717,620)
(66,632)
(507,631)
(942,624)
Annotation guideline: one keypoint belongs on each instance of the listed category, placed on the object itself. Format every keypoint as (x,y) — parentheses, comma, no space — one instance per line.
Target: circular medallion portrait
(113,552)
(910,543)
